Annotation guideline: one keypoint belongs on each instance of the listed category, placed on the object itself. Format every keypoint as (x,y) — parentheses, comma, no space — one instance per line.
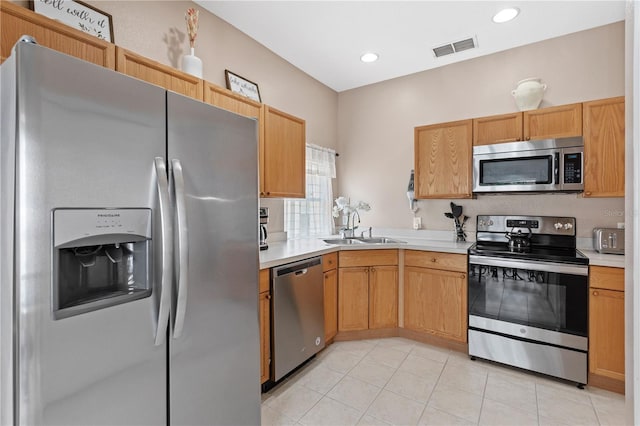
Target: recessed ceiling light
(369,57)
(505,15)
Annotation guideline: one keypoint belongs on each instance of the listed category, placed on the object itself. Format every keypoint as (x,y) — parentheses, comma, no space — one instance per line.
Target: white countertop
(599,259)
(282,252)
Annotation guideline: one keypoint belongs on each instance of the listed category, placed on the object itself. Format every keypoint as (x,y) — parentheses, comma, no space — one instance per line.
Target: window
(311,216)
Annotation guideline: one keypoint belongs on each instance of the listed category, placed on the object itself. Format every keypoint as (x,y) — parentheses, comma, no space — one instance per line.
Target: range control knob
(568,226)
(557,225)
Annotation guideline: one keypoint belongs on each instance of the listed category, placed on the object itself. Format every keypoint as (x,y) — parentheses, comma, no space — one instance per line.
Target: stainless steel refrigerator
(129,251)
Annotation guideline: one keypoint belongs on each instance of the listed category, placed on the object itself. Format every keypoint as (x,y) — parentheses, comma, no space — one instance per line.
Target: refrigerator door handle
(166,257)
(182,247)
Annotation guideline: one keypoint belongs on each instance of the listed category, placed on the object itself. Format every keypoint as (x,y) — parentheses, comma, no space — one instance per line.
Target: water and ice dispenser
(101,258)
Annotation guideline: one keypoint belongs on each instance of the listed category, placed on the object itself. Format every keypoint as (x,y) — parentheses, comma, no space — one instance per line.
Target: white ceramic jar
(191,64)
(528,93)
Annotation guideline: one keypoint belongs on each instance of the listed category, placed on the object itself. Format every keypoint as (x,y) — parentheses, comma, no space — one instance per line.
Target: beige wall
(157,30)
(376,125)
(372,127)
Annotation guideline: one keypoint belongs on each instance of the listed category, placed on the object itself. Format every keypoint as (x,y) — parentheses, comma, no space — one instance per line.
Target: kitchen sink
(373,240)
(343,241)
(381,240)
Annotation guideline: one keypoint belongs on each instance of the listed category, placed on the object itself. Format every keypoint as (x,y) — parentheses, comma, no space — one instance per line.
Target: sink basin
(343,241)
(380,240)
(374,240)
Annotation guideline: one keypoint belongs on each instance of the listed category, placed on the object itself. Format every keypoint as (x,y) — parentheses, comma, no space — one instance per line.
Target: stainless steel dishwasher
(298,314)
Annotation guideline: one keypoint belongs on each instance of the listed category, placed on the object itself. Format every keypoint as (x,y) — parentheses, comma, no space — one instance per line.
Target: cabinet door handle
(463,276)
(373,269)
(588,193)
(268,297)
(595,293)
(433,259)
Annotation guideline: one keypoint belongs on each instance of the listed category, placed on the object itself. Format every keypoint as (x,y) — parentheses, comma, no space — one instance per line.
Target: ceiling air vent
(455,47)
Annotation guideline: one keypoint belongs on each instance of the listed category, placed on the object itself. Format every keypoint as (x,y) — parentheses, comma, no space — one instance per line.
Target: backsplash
(589,212)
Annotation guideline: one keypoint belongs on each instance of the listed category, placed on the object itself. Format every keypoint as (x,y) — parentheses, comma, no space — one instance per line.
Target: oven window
(545,300)
(517,171)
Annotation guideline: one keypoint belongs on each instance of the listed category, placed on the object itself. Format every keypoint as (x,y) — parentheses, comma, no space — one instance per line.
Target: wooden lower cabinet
(330,272)
(353,299)
(265,325)
(367,290)
(606,327)
(435,301)
(383,296)
(435,294)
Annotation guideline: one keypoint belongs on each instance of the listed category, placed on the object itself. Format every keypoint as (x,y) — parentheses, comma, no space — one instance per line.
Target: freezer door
(214,349)
(85,137)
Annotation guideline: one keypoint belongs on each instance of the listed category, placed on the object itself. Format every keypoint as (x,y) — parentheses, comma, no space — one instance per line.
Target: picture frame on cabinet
(242,86)
(78,15)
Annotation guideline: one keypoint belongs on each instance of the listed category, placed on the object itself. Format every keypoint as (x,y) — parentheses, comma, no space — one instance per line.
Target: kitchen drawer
(436,260)
(329,261)
(368,257)
(606,278)
(264,281)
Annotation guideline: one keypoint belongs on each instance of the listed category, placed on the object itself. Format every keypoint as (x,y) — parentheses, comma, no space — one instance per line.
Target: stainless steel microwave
(533,166)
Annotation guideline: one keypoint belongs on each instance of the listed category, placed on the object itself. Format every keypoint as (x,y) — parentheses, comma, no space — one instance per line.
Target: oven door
(517,171)
(538,301)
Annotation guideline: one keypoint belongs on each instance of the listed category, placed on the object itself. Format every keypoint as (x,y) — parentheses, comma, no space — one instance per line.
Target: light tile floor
(403,382)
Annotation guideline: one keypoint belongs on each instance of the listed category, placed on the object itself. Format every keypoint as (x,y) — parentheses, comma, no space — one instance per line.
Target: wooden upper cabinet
(555,122)
(282,155)
(226,99)
(153,72)
(443,160)
(497,129)
(16,21)
(604,140)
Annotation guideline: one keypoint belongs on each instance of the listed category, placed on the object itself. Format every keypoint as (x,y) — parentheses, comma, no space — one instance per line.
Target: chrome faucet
(363,232)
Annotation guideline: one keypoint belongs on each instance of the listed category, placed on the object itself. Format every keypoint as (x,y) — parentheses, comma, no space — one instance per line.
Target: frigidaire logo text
(108,214)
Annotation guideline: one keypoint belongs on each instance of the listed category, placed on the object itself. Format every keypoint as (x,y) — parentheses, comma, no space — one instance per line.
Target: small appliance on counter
(264,219)
(608,240)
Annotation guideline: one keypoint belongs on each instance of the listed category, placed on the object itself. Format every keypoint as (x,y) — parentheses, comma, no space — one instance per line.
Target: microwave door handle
(166,252)
(182,247)
(556,168)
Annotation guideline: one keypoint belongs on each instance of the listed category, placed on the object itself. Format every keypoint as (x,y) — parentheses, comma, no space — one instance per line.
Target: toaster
(608,240)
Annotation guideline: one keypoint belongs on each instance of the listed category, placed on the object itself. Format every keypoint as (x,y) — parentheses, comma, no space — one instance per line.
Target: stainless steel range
(528,295)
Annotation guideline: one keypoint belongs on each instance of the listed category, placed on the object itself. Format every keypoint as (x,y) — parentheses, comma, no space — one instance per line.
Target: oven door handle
(558,268)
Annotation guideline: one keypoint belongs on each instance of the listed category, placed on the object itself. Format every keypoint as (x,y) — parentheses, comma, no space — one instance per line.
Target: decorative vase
(192,64)
(528,93)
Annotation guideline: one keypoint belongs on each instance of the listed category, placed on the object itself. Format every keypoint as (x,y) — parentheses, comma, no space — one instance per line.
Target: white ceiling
(325,39)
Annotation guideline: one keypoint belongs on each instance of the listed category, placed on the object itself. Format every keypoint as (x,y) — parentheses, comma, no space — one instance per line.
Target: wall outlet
(620,225)
(417,222)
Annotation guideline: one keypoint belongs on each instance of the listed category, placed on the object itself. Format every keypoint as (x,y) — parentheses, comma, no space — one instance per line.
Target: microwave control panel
(573,167)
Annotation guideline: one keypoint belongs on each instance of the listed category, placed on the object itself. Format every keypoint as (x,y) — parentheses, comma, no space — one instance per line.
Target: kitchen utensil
(456,210)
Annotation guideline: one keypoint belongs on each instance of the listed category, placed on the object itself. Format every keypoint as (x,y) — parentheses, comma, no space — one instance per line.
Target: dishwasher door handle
(302,271)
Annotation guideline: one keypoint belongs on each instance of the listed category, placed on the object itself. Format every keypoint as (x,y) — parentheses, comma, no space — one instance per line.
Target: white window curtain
(311,217)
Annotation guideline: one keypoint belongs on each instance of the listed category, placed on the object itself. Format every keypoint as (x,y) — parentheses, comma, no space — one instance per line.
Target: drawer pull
(433,259)
(595,293)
